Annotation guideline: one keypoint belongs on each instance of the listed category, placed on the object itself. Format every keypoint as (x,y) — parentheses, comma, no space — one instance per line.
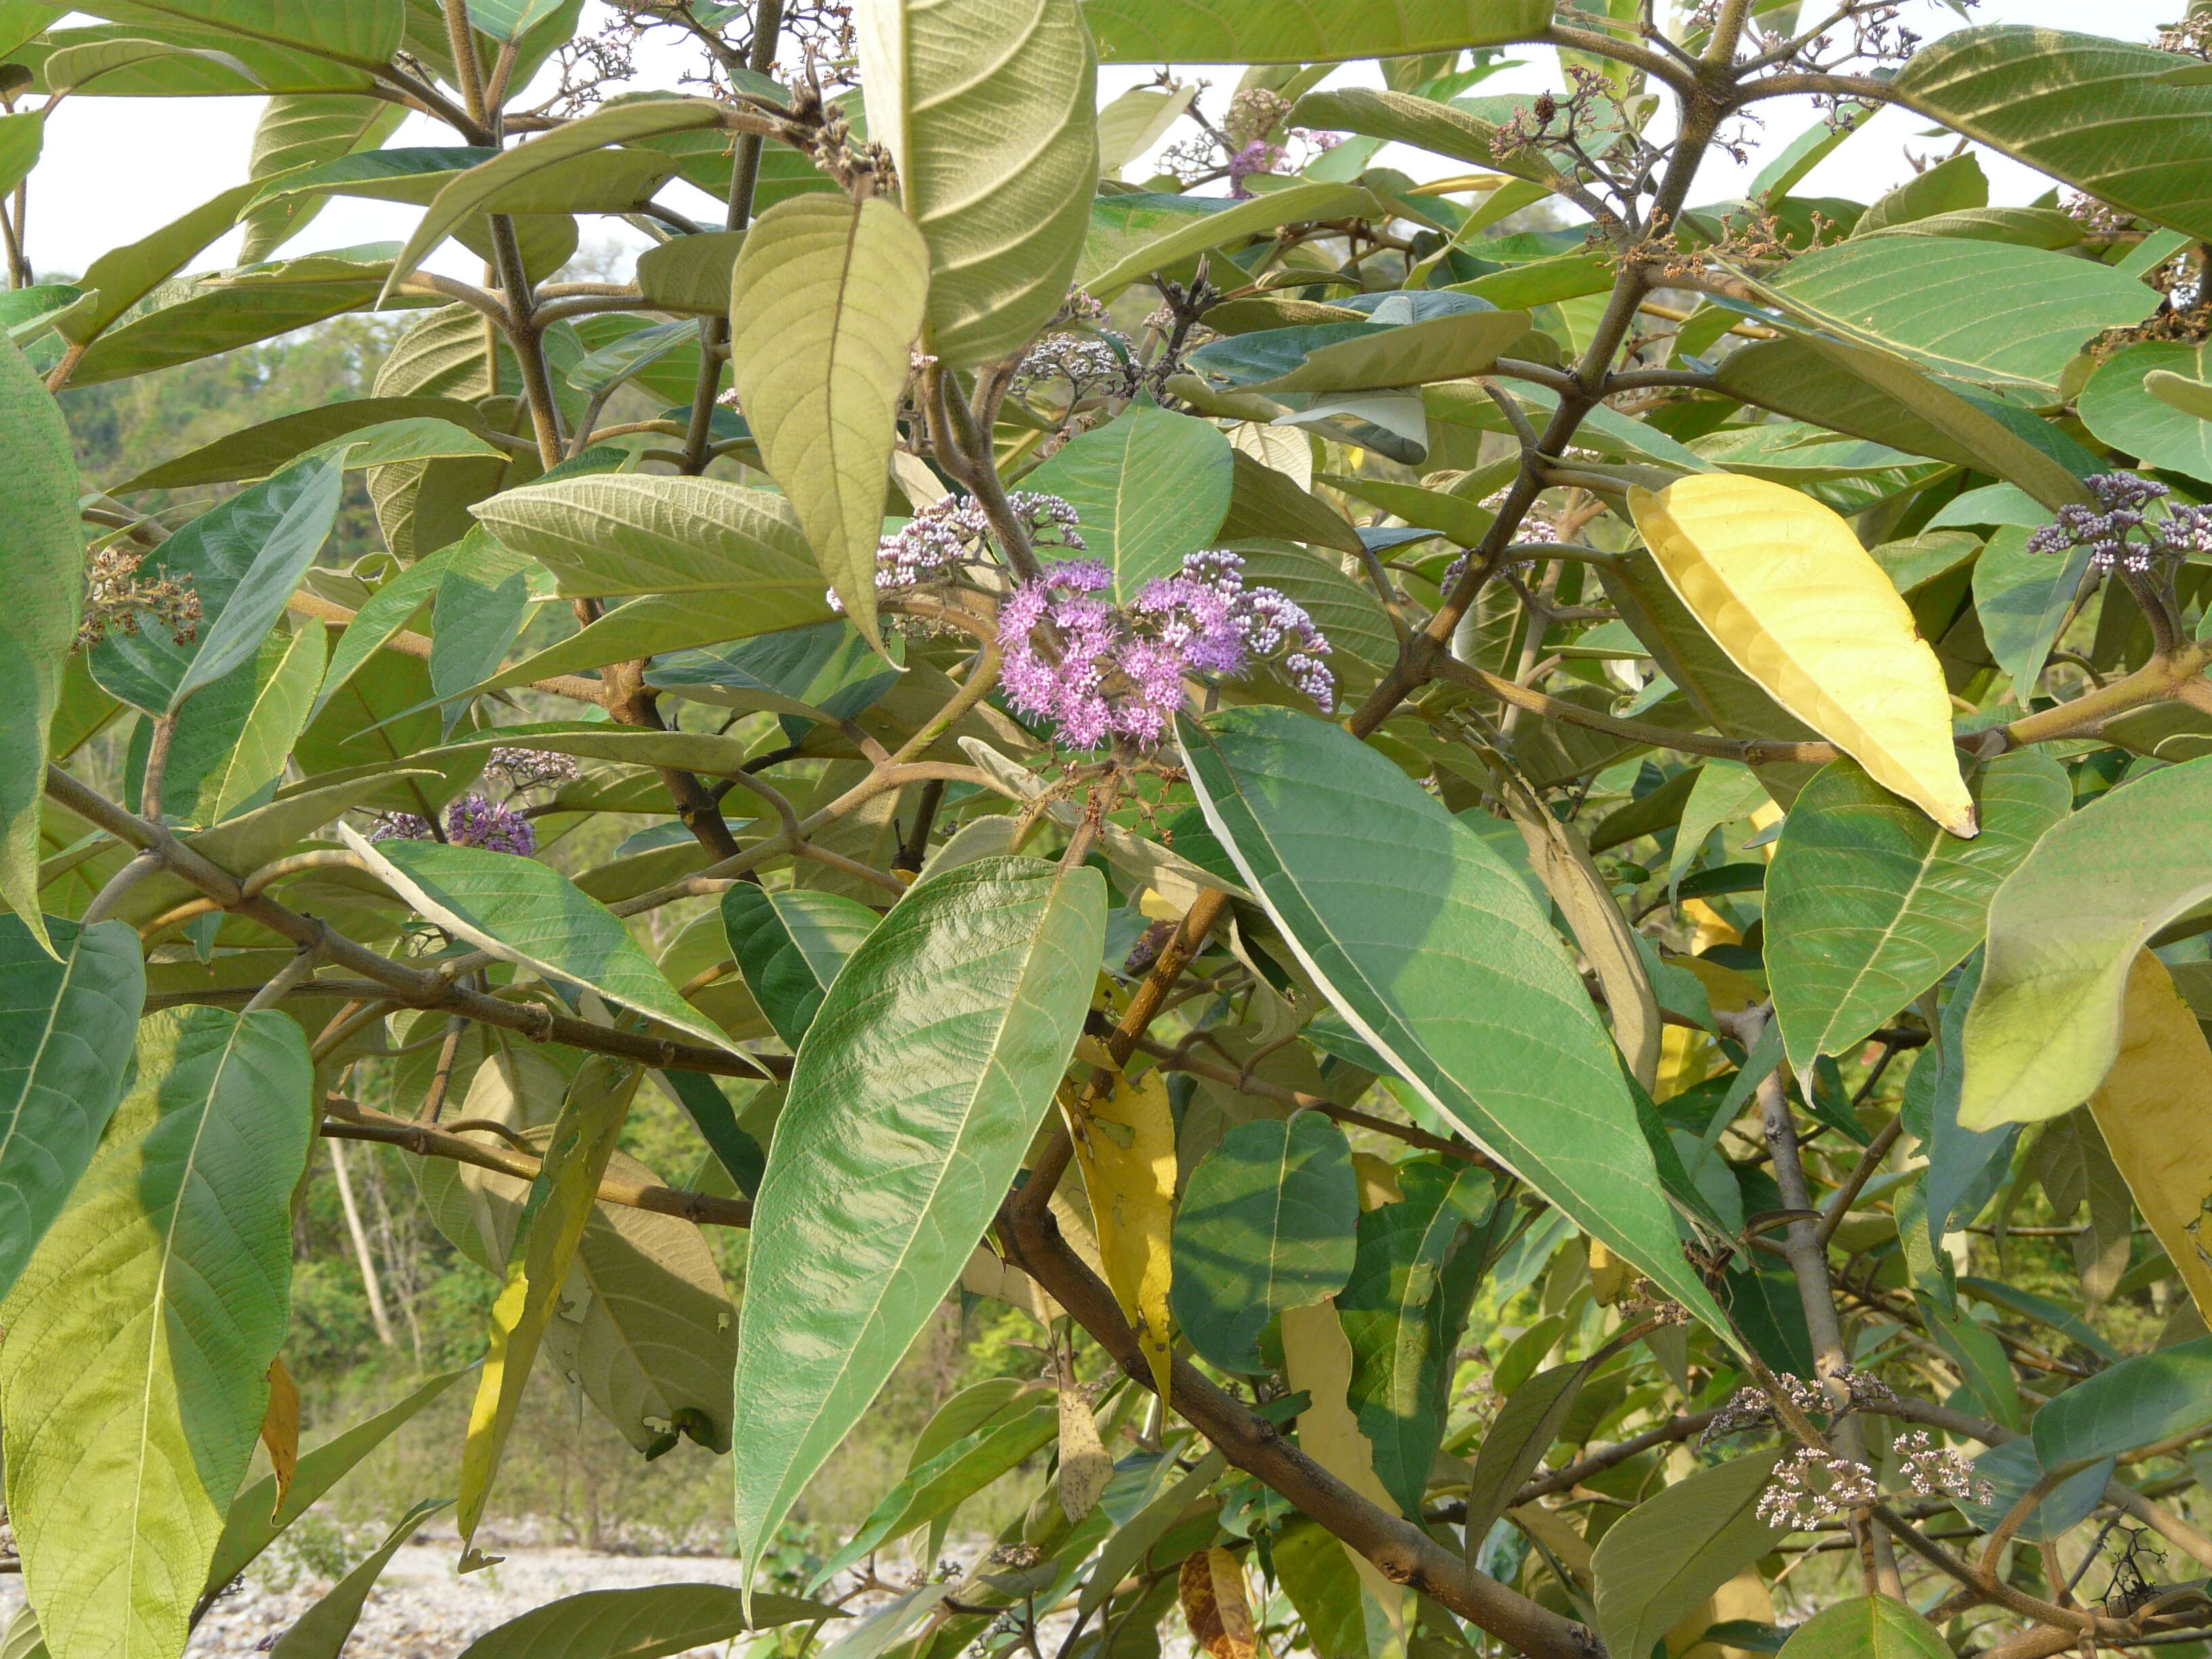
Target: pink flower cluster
(1105,672)
(471,821)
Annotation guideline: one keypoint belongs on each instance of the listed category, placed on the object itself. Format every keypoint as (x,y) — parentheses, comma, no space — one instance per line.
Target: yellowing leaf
(1317,1361)
(280,1428)
(826,301)
(552,1226)
(1128,1157)
(1215,1607)
(1085,1466)
(2155,1111)
(1784,588)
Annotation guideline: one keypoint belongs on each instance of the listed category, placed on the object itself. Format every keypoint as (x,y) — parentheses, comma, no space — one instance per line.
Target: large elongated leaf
(790,946)
(524,912)
(1126,1149)
(65,1038)
(362,33)
(552,1225)
(2064,932)
(1417,1268)
(635,533)
(322,1632)
(303,131)
(122,277)
(256,452)
(1322,30)
(2152,1110)
(1869,903)
(1438,956)
(130,1416)
(476,190)
(917,1090)
(2138,1403)
(41,571)
(825,302)
(1133,234)
(989,108)
(1782,584)
(663,622)
(645,1623)
(1266,1224)
(1659,1562)
(1150,488)
(2096,112)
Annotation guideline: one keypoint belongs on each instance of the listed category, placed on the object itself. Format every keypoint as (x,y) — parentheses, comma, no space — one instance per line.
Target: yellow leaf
(1783,587)
(1126,1149)
(1085,1467)
(826,302)
(1378,1181)
(1317,1361)
(1216,1606)
(2155,1110)
(280,1429)
(553,1217)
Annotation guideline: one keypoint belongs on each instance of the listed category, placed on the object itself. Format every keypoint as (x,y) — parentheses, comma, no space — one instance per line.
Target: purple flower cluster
(1120,673)
(932,545)
(2110,529)
(471,821)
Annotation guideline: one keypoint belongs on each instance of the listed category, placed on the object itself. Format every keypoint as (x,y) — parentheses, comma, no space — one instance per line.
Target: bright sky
(116,168)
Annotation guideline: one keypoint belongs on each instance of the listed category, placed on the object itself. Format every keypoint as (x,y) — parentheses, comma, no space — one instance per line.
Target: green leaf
(130,1416)
(1135,233)
(648,1622)
(1436,954)
(1368,356)
(42,573)
(989,109)
(1866,1627)
(2095,112)
(304,509)
(953,1023)
(2120,407)
(661,623)
(2023,598)
(2064,929)
(322,1631)
(510,20)
(482,601)
(402,173)
(789,945)
(305,130)
(1658,1563)
(21,137)
(523,912)
(216,769)
(1869,903)
(65,1034)
(2138,1403)
(561,1202)
(258,1517)
(362,33)
(505,177)
(1401,117)
(1983,310)
(1265,504)
(829,295)
(1321,31)
(1151,487)
(122,277)
(690,273)
(639,533)
(1520,1435)
(1267,1222)
(256,452)
(1419,1264)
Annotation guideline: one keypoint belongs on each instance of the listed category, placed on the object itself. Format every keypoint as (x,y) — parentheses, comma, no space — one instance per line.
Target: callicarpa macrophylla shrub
(1476,849)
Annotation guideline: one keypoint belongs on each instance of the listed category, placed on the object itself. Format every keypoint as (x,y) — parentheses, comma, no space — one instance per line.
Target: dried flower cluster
(1936,1471)
(114,594)
(1100,673)
(1811,1486)
(529,768)
(2118,531)
(2099,219)
(471,821)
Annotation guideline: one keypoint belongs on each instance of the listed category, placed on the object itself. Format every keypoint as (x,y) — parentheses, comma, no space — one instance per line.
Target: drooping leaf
(1420,1263)
(551,1226)
(1150,488)
(2095,112)
(1866,1627)
(1522,1432)
(322,1632)
(257,451)
(1266,1224)
(303,131)
(789,944)
(1783,587)
(1127,1150)
(1442,962)
(1660,1561)
(1869,903)
(646,1622)
(1258,32)
(522,911)
(1133,234)
(119,279)
(1317,1362)
(989,110)
(916,1092)
(65,1035)
(2138,1403)
(2063,931)
(41,571)
(130,1416)
(828,296)
(2152,1108)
